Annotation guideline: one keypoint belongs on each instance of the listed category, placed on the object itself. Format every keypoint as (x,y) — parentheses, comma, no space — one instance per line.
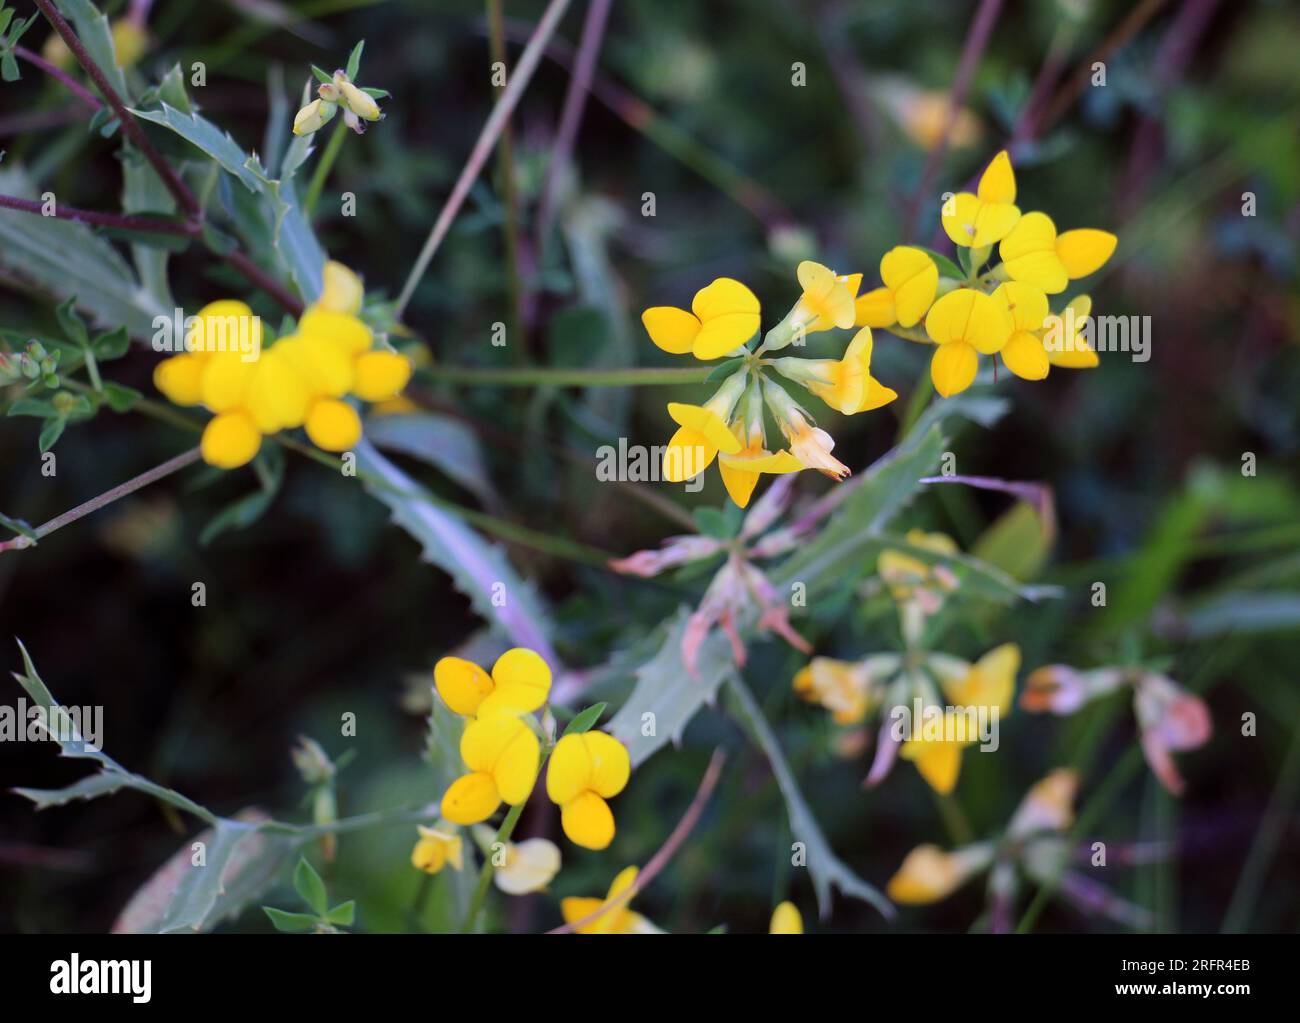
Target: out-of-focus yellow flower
(130,41)
(724,315)
(1048,806)
(976,220)
(502,755)
(906,575)
(1033,253)
(846,384)
(586,769)
(437,847)
(923,114)
(910,279)
(617,920)
(964,324)
(929,874)
(842,687)
(989,682)
(520,683)
(786,920)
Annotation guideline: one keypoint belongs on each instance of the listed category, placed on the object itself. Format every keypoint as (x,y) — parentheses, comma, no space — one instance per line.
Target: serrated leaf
(477,567)
(90,787)
(666,689)
(585,720)
(209,140)
(290,923)
(825,869)
(308,884)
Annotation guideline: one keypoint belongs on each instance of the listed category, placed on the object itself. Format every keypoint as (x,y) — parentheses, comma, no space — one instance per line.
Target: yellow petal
(360,103)
(1069,349)
(875,309)
(993,222)
(227,325)
(953,368)
(992,681)
(333,425)
(706,422)
(938,762)
(429,855)
(1085,250)
(517,766)
(324,365)
(729,316)
(610,763)
(740,482)
(969,316)
(341,290)
(877,395)
(345,330)
(928,874)
(485,739)
(587,821)
(1025,356)
(913,277)
(786,920)
(530,865)
(180,379)
(1029,252)
(380,376)
(998,182)
(1025,303)
(826,295)
(575,908)
(688,454)
(959,216)
(462,684)
(523,681)
(672,329)
(568,772)
(230,440)
(471,798)
(225,380)
(276,397)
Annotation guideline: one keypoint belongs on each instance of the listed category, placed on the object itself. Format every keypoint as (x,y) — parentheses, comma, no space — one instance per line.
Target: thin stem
(660,859)
(168,467)
(562,377)
(976,40)
(485,874)
(264,280)
(58,74)
(123,221)
(130,126)
(323,166)
(575,101)
(509,196)
(487,139)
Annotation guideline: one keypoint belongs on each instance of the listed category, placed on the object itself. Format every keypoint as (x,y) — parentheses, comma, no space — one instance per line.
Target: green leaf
(239,514)
(585,720)
(72,325)
(376,93)
(713,522)
(51,432)
(90,787)
(947,268)
(96,36)
(290,923)
(6,14)
(211,141)
(343,914)
(477,567)
(308,884)
(354,61)
(324,77)
(42,408)
(9,70)
(111,345)
(196,894)
(665,688)
(171,90)
(723,369)
(825,869)
(119,397)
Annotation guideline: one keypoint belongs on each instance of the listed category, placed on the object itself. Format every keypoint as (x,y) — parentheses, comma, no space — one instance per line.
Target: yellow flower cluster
(501,748)
(358,106)
(970,312)
(299,381)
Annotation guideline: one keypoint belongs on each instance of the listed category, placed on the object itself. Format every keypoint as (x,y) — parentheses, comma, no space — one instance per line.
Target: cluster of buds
(1171,719)
(336,92)
(34,364)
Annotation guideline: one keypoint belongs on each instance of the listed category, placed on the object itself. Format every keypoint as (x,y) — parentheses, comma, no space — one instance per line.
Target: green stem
(562,377)
(485,875)
(509,199)
(341,131)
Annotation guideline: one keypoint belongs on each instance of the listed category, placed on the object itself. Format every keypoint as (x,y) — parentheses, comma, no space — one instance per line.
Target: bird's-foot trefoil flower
(964,324)
(1033,253)
(723,317)
(585,770)
(519,868)
(503,755)
(910,282)
(617,918)
(520,683)
(988,215)
(437,847)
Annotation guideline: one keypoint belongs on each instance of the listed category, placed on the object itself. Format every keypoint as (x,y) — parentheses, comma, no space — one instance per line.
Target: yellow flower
(1033,253)
(842,687)
(437,847)
(618,919)
(809,444)
(702,432)
(313,117)
(911,279)
(502,755)
(929,874)
(938,757)
(989,682)
(905,574)
(359,102)
(846,384)
(964,324)
(230,440)
(520,683)
(786,920)
(827,299)
(724,316)
(981,219)
(1027,352)
(526,866)
(740,471)
(130,41)
(341,290)
(586,769)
